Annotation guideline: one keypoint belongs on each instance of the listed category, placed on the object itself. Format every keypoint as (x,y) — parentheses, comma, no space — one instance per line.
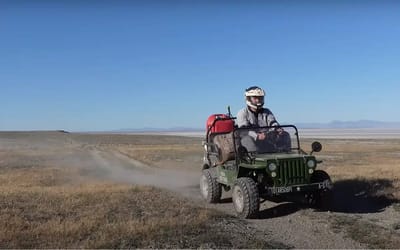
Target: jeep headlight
(272,166)
(311,163)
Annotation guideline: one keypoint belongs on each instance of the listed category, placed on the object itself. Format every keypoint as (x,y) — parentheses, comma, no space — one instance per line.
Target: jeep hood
(278,156)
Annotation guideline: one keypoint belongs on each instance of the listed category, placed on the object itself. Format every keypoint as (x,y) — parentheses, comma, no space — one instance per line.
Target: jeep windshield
(277,139)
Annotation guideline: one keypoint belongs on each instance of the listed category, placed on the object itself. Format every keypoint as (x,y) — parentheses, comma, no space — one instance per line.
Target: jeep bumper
(304,188)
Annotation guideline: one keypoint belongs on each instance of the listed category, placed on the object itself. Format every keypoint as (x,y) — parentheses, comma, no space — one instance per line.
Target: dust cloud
(90,161)
(114,166)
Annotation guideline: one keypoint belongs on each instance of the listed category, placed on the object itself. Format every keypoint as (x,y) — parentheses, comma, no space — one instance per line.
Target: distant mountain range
(151,129)
(332,124)
(351,124)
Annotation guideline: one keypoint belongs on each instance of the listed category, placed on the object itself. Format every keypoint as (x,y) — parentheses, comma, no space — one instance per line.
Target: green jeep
(256,171)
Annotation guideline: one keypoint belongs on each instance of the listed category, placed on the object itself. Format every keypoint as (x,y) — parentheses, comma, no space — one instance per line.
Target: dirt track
(287,223)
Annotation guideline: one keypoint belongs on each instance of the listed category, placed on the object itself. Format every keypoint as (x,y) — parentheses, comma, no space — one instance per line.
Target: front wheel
(245,197)
(210,189)
(322,199)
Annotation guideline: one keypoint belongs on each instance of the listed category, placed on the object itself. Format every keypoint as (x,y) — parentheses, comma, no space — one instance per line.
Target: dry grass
(363,160)
(45,205)
(98,216)
(35,213)
(374,236)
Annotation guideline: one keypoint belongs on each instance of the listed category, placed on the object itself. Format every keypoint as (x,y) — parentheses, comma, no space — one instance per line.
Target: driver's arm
(271,120)
(242,120)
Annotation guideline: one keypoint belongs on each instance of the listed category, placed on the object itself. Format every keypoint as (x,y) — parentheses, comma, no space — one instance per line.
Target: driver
(254,115)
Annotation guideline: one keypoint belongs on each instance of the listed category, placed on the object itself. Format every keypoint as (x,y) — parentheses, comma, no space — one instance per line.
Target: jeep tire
(245,198)
(210,189)
(322,199)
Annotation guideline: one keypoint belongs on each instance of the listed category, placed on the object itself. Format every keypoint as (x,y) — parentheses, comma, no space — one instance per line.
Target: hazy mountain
(332,124)
(150,129)
(351,124)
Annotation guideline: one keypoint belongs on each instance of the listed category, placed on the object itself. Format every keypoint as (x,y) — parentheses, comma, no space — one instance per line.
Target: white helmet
(254,91)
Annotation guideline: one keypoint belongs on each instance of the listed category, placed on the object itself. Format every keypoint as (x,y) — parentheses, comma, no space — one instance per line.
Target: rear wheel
(321,199)
(210,189)
(245,197)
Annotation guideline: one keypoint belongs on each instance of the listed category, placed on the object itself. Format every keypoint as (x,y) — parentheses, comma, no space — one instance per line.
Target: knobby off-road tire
(322,199)
(210,189)
(245,198)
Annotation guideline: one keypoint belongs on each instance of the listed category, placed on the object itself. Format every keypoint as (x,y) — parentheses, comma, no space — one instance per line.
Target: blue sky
(103,65)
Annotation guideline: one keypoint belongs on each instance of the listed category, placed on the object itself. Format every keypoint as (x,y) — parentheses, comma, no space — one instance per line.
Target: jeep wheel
(210,189)
(322,199)
(245,198)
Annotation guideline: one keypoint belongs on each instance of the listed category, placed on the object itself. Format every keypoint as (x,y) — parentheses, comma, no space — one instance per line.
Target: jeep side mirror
(316,147)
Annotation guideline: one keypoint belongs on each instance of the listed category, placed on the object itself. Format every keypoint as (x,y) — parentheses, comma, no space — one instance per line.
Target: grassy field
(44,204)
(39,214)
(373,161)
(49,200)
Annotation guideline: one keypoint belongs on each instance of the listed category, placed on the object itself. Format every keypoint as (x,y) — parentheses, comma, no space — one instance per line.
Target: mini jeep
(275,168)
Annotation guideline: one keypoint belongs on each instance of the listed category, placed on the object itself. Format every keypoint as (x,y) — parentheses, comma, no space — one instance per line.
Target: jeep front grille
(292,172)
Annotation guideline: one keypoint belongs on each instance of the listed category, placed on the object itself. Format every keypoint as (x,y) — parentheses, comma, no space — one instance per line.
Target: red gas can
(220,126)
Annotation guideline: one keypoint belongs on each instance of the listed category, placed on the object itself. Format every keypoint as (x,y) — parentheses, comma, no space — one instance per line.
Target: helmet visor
(255,101)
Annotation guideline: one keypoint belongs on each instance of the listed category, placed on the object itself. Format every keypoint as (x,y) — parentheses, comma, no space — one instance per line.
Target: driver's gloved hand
(279,130)
(261,136)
